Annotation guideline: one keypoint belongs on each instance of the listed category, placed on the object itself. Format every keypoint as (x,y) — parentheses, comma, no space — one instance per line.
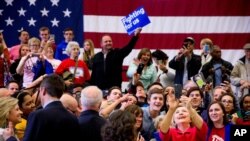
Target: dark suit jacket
(91,124)
(53,123)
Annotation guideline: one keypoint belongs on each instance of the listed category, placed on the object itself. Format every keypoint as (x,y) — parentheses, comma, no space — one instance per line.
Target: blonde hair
(34,39)
(6,104)
(69,46)
(91,52)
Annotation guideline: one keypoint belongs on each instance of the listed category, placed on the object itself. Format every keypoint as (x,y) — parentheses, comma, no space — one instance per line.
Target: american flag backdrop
(226,22)
(30,15)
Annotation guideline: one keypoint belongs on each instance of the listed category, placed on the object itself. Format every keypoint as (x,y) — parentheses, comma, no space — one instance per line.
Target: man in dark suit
(89,120)
(53,122)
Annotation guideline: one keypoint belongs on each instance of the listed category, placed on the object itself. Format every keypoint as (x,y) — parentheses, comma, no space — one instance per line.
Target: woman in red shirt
(187,124)
(218,124)
(81,71)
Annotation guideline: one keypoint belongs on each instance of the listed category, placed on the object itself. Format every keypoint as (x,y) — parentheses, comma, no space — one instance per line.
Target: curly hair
(119,127)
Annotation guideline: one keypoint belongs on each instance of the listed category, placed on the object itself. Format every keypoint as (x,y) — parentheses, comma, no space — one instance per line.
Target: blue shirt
(61,51)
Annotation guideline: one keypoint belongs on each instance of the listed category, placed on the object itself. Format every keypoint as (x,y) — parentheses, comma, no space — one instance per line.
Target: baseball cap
(189,39)
(246,46)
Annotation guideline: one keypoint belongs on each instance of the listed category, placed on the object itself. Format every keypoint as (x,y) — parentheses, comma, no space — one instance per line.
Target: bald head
(69,102)
(91,98)
(216,52)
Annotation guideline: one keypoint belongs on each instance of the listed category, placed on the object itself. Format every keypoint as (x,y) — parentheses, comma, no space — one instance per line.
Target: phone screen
(199,80)
(206,48)
(52,36)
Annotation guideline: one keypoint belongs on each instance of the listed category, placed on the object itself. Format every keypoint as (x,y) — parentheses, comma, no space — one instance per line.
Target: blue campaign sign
(137,18)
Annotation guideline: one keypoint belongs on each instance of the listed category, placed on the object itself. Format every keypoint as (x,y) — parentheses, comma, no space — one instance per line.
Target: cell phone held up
(140,68)
(35,54)
(178,90)
(199,80)
(206,49)
(52,36)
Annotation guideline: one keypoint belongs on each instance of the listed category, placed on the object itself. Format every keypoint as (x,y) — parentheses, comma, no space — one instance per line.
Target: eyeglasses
(225,101)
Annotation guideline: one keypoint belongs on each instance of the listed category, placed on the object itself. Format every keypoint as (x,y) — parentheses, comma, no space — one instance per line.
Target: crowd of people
(55,91)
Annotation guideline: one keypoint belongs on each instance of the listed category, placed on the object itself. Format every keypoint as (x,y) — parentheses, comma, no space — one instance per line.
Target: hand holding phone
(140,68)
(178,90)
(52,37)
(199,80)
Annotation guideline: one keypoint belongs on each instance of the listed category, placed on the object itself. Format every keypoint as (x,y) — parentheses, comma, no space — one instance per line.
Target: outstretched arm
(195,117)
(128,48)
(166,122)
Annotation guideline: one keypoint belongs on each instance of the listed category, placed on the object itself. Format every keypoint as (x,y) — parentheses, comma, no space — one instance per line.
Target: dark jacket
(206,69)
(91,124)
(193,67)
(108,72)
(53,123)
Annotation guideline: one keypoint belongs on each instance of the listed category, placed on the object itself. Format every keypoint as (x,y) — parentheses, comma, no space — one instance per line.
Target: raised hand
(172,101)
(138,31)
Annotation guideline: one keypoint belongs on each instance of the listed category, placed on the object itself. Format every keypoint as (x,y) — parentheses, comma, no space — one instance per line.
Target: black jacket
(227,67)
(108,72)
(193,67)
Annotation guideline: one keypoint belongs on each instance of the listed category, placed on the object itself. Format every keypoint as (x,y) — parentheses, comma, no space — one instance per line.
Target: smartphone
(35,54)
(140,68)
(199,80)
(206,48)
(178,90)
(52,36)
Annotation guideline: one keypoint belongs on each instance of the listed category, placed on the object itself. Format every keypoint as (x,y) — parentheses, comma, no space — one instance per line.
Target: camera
(140,68)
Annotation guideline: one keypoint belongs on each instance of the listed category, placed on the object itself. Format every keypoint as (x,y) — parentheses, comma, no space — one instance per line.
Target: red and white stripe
(227,23)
